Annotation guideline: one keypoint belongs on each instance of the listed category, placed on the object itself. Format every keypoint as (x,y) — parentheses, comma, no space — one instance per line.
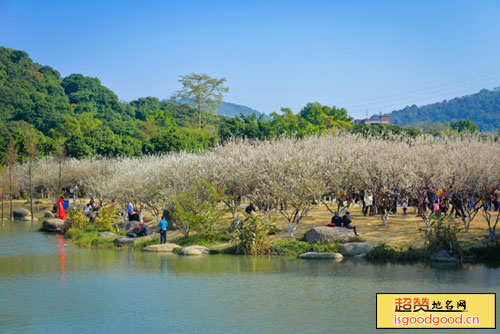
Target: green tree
(464,126)
(202,91)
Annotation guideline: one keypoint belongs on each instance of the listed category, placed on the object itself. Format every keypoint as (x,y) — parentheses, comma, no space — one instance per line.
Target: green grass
(382,252)
(88,239)
(228,250)
(204,239)
(296,247)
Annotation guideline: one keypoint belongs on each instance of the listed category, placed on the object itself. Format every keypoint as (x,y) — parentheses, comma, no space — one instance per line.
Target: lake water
(47,287)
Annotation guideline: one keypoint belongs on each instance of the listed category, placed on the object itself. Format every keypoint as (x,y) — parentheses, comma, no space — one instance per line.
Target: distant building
(382,119)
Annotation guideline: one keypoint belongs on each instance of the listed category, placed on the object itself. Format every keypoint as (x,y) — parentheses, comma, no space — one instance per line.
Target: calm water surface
(47,287)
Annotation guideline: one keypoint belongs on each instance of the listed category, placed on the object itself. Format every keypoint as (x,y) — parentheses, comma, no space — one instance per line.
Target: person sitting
(336,220)
(134,216)
(143,229)
(346,222)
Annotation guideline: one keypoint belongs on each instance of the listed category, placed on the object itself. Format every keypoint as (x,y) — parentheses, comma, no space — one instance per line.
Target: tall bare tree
(32,156)
(202,91)
(11,161)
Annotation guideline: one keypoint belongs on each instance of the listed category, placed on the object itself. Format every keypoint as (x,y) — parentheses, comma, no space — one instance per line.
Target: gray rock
(314,256)
(53,225)
(127,226)
(107,235)
(355,248)
(329,234)
(20,213)
(48,215)
(162,248)
(129,242)
(194,250)
(443,256)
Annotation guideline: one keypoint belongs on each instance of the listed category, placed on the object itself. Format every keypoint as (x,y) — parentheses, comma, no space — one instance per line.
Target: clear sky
(367,56)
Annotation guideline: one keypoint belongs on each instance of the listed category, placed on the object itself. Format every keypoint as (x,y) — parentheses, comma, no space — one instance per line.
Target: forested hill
(79,116)
(482,108)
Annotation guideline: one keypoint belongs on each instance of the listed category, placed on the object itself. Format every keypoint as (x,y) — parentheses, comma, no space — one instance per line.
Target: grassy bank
(489,254)
(91,239)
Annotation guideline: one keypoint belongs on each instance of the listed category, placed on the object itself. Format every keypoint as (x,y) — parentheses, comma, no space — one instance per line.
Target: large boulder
(318,256)
(53,225)
(129,242)
(127,226)
(107,235)
(21,213)
(194,250)
(161,248)
(443,256)
(355,248)
(329,234)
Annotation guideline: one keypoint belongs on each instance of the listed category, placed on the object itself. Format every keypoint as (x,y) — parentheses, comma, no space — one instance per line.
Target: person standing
(163,224)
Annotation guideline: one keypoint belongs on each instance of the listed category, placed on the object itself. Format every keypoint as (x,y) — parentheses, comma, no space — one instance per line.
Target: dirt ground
(400,231)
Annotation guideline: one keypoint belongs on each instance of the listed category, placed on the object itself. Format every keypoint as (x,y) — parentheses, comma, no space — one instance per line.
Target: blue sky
(367,56)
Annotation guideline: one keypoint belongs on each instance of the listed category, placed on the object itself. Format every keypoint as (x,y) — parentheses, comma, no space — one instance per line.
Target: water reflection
(62,258)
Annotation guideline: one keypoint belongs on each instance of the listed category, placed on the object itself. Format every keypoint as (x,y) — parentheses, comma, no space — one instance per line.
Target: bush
(295,247)
(204,239)
(251,237)
(196,208)
(106,218)
(76,220)
(386,253)
(487,253)
(442,236)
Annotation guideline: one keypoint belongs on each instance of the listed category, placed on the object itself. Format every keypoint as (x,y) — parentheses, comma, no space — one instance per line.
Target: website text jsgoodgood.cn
(435,320)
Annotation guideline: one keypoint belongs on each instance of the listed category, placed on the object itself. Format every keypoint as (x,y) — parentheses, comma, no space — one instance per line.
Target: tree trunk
(493,234)
(31,191)
(199,113)
(3,194)
(11,211)
(290,230)
(384,216)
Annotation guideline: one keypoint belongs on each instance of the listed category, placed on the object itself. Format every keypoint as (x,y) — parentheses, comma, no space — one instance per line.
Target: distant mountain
(482,108)
(229,109)
(232,110)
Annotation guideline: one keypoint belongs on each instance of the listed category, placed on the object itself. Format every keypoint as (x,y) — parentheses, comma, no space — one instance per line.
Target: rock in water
(162,248)
(53,225)
(107,235)
(355,248)
(20,213)
(329,234)
(314,255)
(443,256)
(194,250)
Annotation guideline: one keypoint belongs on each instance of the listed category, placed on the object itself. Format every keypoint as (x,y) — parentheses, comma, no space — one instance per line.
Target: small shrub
(251,237)
(384,252)
(76,219)
(105,219)
(196,208)
(442,236)
(204,239)
(487,253)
